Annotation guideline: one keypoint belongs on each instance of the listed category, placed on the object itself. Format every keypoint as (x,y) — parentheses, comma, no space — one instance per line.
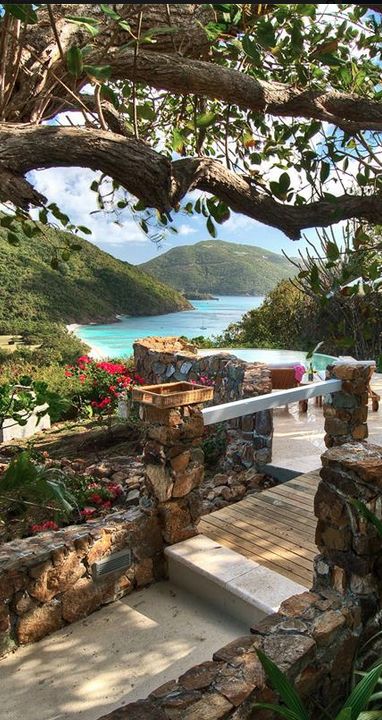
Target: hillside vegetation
(91,287)
(223,268)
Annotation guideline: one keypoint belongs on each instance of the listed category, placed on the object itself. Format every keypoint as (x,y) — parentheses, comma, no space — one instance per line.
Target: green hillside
(91,287)
(223,268)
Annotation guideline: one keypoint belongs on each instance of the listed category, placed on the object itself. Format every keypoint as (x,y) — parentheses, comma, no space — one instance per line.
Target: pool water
(276,357)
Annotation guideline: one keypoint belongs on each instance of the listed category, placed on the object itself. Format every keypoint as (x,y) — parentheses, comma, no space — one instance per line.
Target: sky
(70,189)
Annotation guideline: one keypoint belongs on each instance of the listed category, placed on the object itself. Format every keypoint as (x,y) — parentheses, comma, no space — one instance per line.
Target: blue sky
(70,189)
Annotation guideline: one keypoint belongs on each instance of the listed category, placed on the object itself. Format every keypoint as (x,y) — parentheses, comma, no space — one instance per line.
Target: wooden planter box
(167,395)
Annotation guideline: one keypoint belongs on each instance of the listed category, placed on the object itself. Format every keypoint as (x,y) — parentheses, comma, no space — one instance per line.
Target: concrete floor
(299,438)
(115,656)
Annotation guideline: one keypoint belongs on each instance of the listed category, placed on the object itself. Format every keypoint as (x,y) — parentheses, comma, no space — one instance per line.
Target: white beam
(248,406)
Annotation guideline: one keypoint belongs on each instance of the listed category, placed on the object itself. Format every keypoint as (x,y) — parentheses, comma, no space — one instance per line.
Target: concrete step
(227,580)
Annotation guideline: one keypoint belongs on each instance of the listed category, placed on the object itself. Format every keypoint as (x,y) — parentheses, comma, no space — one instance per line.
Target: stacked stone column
(174,463)
(346,413)
(350,547)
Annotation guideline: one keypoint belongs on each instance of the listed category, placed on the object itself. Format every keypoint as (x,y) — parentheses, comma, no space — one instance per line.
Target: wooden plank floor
(275,528)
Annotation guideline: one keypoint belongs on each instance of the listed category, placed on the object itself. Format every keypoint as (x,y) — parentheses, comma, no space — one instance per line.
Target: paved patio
(299,438)
(115,656)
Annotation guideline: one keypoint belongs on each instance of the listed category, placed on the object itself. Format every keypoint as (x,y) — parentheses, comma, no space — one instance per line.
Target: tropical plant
(18,400)
(270,110)
(104,383)
(27,484)
(354,708)
(341,276)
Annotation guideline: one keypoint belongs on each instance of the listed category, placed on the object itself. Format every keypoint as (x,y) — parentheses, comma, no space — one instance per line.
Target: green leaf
(324,171)
(89,24)
(75,247)
(65,255)
(178,141)
(284,182)
(283,687)
(362,693)
(108,10)
(345,714)
(54,264)
(211,227)
(251,49)
(265,34)
(108,94)
(206,119)
(332,251)
(283,712)
(99,72)
(367,514)
(84,229)
(74,61)
(23,12)
(146,112)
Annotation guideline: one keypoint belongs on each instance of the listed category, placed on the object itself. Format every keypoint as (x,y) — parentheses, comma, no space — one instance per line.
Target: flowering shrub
(45,525)
(204,380)
(299,372)
(104,382)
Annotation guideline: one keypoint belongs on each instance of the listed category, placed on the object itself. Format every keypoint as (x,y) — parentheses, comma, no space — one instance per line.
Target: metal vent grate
(112,563)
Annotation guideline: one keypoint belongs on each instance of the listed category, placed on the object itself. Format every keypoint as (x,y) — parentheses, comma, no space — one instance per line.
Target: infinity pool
(275,357)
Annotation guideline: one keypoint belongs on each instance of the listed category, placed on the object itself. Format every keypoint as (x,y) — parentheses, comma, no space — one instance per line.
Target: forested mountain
(224,268)
(92,286)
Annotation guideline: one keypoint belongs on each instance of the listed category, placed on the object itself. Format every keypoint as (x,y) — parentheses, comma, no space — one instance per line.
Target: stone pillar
(346,413)
(350,547)
(174,463)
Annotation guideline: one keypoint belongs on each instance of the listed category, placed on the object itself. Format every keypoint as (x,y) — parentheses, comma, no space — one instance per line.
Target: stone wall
(313,638)
(160,360)
(46,581)
(346,413)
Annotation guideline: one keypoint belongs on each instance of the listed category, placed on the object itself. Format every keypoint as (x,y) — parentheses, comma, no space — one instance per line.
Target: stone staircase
(240,587)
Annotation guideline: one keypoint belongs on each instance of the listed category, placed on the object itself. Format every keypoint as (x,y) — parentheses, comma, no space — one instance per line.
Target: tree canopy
(273,110)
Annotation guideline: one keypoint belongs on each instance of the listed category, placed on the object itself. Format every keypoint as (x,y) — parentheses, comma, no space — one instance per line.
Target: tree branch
(157,181)
(184,76)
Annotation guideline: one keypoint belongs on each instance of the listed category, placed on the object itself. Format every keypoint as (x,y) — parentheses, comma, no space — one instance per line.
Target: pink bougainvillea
(299,372)
(45,525)
(104,382)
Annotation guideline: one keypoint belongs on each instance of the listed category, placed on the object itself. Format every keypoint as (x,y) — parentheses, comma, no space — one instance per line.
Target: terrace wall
(46,581)
(170,359)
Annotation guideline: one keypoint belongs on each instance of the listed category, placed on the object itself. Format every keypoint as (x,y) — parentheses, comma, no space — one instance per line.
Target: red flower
(82,377)
(115,490)
(68,373)
(106,504)
(46,525)
(87,512)
(84,359)
(96,499)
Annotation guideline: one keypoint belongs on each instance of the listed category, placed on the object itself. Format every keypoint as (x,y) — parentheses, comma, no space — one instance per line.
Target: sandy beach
(95,352)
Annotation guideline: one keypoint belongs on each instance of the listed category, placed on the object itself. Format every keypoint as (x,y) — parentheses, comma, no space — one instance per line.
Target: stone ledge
(241,586)
(46,582)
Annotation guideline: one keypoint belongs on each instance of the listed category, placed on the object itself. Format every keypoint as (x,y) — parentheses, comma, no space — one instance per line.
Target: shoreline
(95,352)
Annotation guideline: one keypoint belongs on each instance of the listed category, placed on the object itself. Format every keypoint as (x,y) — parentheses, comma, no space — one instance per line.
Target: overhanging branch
(155,180)
(183,76)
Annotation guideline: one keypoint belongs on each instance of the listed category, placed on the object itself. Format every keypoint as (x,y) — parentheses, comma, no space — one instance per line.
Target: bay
(208,318)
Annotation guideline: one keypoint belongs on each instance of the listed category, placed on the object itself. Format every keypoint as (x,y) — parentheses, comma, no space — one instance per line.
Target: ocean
(208,318)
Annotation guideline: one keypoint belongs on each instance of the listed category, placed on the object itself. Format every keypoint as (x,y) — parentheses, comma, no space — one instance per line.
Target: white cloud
(186,230)
(69,188)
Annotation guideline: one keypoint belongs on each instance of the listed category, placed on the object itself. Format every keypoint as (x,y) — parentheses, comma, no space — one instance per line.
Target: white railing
(248,406)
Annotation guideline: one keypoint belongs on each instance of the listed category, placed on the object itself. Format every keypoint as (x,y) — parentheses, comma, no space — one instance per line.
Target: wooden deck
(275,528)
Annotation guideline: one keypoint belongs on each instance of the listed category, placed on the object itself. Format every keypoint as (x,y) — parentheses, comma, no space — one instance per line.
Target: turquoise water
(209,317)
